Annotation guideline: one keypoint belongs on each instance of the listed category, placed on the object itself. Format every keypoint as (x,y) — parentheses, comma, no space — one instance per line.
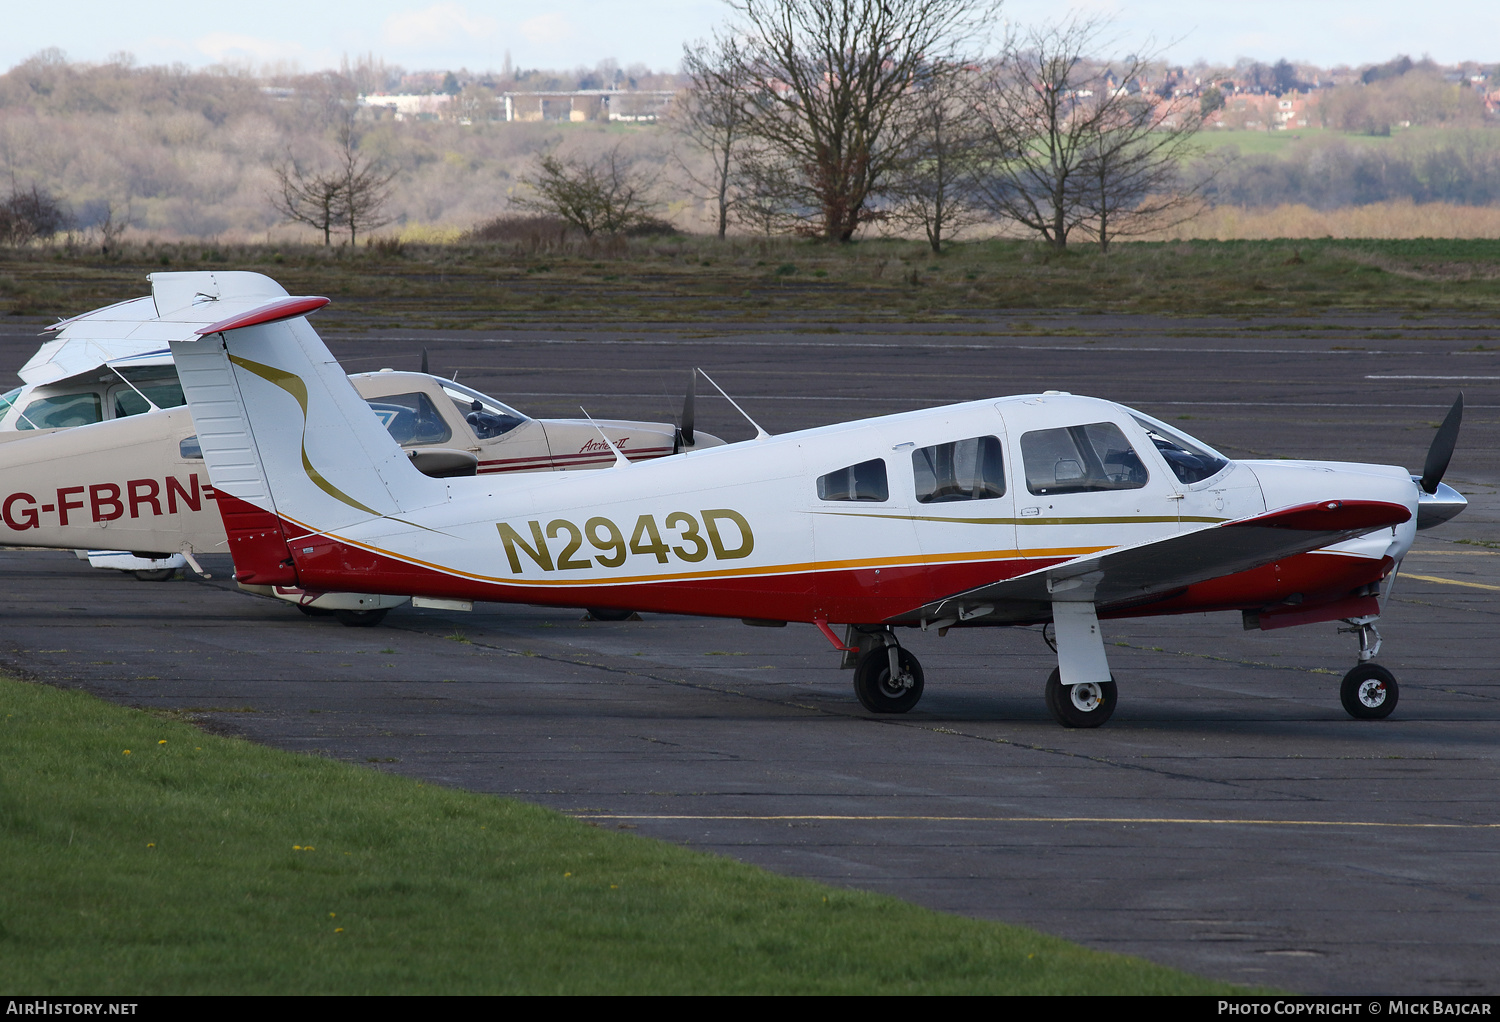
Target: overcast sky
(477,33)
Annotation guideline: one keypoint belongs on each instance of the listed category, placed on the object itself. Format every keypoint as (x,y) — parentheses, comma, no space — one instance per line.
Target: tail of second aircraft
(291,447)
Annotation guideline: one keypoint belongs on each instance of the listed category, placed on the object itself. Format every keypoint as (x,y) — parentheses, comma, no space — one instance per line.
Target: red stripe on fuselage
(860,595)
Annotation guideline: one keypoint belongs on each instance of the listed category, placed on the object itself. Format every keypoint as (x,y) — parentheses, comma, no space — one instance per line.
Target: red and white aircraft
(1044,508)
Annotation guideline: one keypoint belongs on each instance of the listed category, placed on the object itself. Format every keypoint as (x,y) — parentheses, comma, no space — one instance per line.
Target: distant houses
(632,105)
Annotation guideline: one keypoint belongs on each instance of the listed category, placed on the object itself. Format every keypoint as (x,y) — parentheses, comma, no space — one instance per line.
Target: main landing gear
(887,678)
(1086,704)
(1369,691)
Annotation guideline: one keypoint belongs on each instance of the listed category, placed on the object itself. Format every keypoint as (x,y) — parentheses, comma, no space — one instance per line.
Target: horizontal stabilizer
(271,312)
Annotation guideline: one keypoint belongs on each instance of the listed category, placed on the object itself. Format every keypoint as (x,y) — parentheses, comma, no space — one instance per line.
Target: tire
(1085,705)
(872,682)
(1369,692)
(360,618)
(155,574)
(609,614)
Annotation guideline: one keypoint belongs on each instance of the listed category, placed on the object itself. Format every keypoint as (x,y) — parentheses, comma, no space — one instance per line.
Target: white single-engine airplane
(96,452)
(1015,511)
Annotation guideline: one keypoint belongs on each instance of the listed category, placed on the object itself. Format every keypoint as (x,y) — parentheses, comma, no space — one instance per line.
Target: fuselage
(861,522)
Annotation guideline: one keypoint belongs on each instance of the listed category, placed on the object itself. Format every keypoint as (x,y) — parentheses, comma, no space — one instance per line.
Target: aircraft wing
(1137,574)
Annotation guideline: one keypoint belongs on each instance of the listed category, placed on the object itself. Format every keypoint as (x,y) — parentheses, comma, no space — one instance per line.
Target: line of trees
(821,117)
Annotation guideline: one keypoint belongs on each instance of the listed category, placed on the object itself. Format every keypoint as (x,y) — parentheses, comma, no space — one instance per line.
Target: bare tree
(603,194)
(1075,141)
(766,192)
(828,82)
(113,224)
(29,216)
(713,117)
(307,197)
(365,187)
(353,195)
(1132,180)
(933,188)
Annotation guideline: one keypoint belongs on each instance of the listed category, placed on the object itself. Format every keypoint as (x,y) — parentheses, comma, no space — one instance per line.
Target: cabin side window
(162,395)
(487,417)
(1190,461)
(865,481)
(1081,459)
(58,412)
(411,419)
(971,469)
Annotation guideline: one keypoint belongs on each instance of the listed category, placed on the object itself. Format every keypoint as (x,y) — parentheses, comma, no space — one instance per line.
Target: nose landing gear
(1369,691)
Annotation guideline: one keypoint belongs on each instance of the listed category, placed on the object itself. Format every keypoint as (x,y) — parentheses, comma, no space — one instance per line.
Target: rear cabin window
(411,419)
(163,395)
(1081,459)
(963,470)
(8,399)
(865,481)
(61,411)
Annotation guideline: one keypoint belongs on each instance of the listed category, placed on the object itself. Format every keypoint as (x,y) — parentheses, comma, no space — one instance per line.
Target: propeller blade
(1441,451)
(687,410)
(424,361)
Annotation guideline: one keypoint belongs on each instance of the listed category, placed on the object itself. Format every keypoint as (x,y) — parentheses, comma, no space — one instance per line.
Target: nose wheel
(1369,692)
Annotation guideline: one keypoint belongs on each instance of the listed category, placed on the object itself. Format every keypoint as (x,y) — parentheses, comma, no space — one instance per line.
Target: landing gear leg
(888,679)
(1090,697)
(1369,691)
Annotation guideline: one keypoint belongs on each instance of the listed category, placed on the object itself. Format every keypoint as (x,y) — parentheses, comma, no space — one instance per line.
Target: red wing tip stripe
(284,308)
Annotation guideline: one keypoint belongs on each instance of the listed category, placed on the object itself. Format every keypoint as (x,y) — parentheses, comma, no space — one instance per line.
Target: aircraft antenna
(620,460)
(760,434)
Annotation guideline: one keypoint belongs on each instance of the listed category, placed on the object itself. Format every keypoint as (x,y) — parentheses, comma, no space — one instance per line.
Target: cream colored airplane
(1037,509)
(97,452)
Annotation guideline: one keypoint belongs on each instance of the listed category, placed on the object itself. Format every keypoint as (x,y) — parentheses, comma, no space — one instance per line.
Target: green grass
(199,864)
(490,287)
(1277,143)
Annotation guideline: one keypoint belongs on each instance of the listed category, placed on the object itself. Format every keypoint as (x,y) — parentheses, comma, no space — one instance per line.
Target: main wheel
(609,614)
(1369,692)
(1087,704)
(875,688)
(155,574)
(360,618)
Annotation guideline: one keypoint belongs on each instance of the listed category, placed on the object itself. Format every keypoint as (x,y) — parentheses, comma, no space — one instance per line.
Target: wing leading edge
(1137,574)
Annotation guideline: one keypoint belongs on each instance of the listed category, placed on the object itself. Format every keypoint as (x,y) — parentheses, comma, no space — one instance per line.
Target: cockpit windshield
(1189,460)
(488,417)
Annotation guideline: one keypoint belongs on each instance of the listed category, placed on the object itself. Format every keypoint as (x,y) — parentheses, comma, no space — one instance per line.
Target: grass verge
(620,280)
(199,864)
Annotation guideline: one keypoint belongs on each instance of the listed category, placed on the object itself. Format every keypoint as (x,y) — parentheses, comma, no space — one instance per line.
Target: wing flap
(1135,574)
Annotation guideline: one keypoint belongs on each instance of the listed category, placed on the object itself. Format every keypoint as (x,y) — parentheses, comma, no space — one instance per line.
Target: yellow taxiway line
(1448,581)
(729,818)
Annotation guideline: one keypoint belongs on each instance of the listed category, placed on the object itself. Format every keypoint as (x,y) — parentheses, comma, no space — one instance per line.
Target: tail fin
(285,434)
